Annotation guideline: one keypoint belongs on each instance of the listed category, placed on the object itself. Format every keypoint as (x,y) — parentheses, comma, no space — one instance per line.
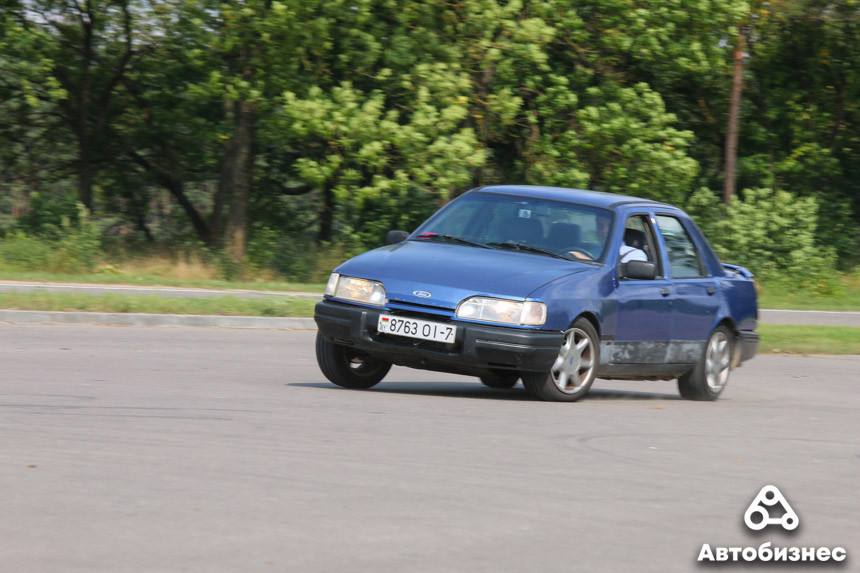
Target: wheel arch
(590,317)
(729,323)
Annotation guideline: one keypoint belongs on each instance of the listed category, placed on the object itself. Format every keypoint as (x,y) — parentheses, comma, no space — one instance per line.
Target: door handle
(712,290)
(664,291)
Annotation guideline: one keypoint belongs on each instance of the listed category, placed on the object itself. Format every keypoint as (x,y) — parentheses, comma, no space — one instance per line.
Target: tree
(377,163)
(90,48)
(738,54)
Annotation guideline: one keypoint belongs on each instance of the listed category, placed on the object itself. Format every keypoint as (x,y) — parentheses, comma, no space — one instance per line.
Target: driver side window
(638,243)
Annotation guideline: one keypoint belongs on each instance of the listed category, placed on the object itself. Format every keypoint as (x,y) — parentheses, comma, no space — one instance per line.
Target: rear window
(684,259)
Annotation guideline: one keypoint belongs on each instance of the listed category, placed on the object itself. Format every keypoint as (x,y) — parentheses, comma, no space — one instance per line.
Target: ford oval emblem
(422,293)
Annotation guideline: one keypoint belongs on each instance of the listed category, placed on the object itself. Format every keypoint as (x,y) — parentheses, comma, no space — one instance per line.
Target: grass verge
(776,296)
(155,280)
(843,293)
(805,339)
(803,300)
(223,305)
(775,338)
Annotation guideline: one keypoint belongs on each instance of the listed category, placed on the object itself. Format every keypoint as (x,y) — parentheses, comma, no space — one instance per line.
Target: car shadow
(479,391)
(604,394)
(439,389)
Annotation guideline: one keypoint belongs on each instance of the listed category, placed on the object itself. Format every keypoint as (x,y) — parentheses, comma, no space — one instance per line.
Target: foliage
(19,252)
(297,259)
(772,232)
(48,215)
(315,126)
(70,244)
(373,160)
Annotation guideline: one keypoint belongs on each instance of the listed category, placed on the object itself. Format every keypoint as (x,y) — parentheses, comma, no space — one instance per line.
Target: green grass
(803,339)
(154,280)
(223,305)
(804,300)
(839,294)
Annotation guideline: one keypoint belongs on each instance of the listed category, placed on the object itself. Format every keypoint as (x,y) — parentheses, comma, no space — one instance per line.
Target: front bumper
(749,344)
(477,348)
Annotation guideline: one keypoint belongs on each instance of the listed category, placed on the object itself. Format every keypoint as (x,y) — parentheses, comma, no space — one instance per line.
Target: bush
(68,248)
(298,258)
(47,213)
(773,233)
(21,253)
(79,246)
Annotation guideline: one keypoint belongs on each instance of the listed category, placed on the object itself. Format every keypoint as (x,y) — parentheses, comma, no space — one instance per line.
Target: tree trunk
(734,118)
(85,173)
(239,167)
(216,222)
(326,215)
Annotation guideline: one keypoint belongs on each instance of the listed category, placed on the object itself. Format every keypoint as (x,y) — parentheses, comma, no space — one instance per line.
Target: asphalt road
(815,317)
(191,449)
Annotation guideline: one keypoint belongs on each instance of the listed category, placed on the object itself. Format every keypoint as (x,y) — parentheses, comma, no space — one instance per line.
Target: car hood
(450,273)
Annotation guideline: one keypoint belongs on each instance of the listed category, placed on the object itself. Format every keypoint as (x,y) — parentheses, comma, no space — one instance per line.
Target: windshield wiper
(451,238)
(529,249)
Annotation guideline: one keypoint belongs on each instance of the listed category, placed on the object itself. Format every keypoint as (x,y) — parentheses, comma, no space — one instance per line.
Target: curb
(142,319)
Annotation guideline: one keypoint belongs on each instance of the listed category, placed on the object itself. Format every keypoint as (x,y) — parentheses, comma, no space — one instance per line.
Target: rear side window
(684,259)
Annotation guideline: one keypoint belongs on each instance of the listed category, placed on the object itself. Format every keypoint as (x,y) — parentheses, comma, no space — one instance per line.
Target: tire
(349,367)
(708,378)
(501,379)
(574,369)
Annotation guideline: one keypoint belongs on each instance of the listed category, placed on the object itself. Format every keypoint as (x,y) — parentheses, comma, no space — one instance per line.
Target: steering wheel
(581,253)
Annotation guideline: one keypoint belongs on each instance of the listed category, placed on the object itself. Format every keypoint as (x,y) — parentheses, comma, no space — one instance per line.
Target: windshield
(539,226)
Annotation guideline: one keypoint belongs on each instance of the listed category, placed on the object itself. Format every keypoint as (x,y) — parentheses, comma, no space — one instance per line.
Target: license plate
(413,328)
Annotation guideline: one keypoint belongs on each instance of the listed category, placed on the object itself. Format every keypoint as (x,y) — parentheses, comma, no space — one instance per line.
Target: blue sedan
(551,286)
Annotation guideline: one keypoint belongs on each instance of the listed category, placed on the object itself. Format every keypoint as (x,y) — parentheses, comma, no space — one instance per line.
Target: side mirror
(395,237)
(641,270)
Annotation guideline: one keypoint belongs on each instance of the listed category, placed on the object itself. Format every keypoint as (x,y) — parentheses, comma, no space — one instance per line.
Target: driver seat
(563,236)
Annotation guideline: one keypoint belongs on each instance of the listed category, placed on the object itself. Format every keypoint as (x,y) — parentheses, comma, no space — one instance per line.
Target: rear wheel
(573,371)
(502,379)
(708,378)
(349,367)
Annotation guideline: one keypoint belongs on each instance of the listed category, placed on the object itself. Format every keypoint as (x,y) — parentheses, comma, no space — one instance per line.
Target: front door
(644,327)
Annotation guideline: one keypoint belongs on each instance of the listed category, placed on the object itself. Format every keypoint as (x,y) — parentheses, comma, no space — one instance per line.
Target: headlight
(358,290)
(528,313)
(331,286)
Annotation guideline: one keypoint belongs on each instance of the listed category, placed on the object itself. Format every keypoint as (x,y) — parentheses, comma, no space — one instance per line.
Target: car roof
(594,198)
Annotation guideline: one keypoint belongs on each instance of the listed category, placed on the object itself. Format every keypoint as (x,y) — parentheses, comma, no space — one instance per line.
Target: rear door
(696,298)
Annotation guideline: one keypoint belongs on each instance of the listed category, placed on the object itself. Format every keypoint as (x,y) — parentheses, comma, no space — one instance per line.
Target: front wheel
(708,378)
(349,367)
(573,371)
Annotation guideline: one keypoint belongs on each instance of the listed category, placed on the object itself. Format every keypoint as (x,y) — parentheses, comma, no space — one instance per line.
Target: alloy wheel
(574,367)
(717,360)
